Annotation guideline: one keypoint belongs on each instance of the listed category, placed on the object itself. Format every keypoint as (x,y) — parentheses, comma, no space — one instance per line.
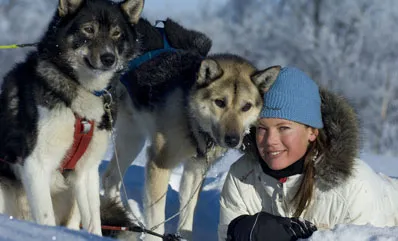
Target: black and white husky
(85,49)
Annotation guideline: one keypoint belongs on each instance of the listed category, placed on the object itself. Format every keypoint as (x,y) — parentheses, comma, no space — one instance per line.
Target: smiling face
(281,142)
(100,41)
(93,40)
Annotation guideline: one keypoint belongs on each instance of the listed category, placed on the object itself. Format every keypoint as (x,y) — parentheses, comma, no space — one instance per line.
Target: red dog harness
(82,137)
(84,130)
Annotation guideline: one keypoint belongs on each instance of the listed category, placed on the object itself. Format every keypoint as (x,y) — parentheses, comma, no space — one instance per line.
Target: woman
(300,171)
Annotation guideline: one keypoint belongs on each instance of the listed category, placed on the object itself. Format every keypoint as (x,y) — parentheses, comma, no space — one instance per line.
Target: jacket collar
(335,164)
(295,168)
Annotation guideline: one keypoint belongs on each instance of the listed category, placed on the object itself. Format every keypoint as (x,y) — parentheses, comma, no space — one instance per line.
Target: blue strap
(98,93)
(166,44)
(102,92)
(135,63)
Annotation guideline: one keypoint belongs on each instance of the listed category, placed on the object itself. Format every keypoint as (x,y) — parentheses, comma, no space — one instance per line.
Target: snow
(385,164)
(270,43)
(16,230)
(357,233)
(206,217)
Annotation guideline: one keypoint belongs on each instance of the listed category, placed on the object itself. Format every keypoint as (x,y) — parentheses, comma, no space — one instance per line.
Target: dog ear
(66,7)
(209,71)
(133,9)
(264,79)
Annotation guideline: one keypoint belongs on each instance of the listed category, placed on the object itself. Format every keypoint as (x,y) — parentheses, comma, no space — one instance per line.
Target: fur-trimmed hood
(341,143)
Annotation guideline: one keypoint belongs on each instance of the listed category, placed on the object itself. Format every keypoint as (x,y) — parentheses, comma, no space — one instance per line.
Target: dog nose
(107,59)
(232,140)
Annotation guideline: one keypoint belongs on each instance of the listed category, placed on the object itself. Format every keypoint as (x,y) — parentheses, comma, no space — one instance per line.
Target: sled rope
(122,182)
(141,227)
(15,46)
(107,107)
(137,229)
(190,199)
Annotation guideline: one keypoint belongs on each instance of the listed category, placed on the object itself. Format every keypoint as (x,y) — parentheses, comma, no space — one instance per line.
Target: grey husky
(83,53)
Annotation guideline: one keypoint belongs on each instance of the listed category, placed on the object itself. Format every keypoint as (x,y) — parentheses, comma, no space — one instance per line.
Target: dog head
(228,97)
(92,39)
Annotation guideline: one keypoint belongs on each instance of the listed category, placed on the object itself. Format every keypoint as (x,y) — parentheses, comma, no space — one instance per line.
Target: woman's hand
(264,226)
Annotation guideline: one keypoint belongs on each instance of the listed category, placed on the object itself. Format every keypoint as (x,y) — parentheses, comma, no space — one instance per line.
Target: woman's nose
(272,137)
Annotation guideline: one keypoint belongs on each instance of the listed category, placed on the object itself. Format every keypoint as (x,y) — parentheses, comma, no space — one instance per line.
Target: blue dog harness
(136,62)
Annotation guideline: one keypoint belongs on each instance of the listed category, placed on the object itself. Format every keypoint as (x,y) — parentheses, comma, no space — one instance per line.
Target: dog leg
(81,198)
(36,179)
(74,219)
(156,184)
(190,187)
(88,200)
(65,206)
(157,180)
(93,197)
(130,139)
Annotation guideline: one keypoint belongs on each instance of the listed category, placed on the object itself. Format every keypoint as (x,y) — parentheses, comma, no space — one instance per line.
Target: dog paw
(88,106)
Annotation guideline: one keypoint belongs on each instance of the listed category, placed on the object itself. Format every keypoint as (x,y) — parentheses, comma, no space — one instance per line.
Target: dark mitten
(297,227)
(264,226)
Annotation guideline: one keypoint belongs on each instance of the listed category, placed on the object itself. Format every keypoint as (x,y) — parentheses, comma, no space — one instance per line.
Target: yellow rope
(15,46)
(12,46)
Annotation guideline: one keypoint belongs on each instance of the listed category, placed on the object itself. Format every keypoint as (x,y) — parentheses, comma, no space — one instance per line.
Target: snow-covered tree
(347,46)
(21,21)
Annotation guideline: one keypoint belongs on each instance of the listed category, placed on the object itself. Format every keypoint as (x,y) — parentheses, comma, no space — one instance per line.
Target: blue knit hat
(293,96)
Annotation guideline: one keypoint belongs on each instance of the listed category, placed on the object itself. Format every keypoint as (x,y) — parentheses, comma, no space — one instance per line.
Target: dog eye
(246,107)
(89,29)
(116,34)
(220,103)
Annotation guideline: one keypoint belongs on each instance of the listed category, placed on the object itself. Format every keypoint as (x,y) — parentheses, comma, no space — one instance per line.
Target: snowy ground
(207,211)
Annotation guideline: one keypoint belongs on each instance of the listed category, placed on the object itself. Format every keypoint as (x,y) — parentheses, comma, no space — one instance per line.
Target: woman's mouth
(274,154)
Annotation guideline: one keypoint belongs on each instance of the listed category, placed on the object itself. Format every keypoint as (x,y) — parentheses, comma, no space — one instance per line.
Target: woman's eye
(283,128)
(261,128)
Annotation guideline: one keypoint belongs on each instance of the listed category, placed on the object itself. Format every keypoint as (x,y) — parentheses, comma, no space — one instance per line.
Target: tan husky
(206,107)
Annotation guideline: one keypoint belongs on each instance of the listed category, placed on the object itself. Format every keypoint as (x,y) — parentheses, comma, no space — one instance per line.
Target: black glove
(267,227)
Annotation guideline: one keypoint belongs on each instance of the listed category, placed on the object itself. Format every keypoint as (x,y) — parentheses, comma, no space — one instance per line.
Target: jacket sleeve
(371,198)
(231,205)
(374,205)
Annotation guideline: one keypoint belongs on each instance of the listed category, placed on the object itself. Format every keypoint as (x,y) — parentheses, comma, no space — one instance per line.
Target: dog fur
(192,109)
(85,49)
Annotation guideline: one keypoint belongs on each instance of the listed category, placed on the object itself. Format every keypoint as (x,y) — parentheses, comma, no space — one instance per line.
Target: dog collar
(102,92)
(209,143)
(202,140)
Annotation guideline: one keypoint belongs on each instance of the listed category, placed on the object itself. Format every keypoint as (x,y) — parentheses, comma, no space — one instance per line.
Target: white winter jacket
(346,190)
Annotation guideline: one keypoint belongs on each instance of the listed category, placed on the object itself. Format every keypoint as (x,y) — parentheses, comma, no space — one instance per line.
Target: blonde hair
(304,194)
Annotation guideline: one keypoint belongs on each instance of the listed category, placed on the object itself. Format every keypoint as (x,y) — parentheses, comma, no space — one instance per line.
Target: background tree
(348,46)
